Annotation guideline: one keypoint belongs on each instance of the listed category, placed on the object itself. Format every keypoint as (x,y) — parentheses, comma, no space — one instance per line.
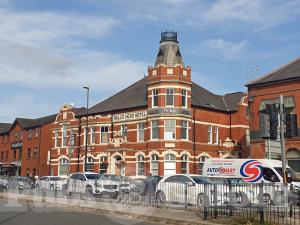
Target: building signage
(16,145)
(129,116)
(169,111)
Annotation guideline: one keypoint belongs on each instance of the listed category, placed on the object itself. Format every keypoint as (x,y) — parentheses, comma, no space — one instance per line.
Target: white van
(250,170)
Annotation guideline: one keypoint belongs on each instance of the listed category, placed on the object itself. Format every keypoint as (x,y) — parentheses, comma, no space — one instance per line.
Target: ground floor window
(89,164)
(170,164)
(154,165)
(103,164)
(63,168)
(140,166)
(201,163)
(184,164)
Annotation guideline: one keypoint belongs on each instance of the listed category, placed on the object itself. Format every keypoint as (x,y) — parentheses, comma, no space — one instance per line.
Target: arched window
(63,167)
(201,163)
(154,165)
(103,164)
(293,159)
(140,165)
(89,164)
(184,164)
(170,164)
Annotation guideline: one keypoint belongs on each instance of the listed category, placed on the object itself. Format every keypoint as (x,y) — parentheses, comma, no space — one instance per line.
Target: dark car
(19,183)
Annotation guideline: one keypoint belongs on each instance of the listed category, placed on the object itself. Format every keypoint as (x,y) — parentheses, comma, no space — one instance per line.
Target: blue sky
(50,49)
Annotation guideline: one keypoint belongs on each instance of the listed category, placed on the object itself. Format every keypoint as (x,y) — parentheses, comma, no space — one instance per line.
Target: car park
(50,183)
(91,184)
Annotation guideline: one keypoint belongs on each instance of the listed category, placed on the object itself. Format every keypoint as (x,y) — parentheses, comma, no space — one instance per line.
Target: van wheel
(161,197)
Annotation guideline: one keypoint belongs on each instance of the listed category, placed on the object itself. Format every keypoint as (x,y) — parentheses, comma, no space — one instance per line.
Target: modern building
(162,124)
(267,90)
(24,146)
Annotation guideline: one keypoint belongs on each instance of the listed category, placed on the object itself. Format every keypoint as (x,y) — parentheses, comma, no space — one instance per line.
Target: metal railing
(276,203)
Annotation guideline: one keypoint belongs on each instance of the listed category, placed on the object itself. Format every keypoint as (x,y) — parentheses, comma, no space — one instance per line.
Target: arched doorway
(117,165)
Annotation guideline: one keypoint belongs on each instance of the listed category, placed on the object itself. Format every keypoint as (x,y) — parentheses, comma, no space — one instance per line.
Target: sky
(50,49)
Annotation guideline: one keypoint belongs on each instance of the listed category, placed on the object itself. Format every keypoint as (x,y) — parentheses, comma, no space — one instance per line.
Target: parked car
(52,183)
(19,183)
(3,182)
(91,184)
(171,189)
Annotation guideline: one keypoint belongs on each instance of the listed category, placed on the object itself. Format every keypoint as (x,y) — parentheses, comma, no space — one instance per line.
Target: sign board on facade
(16,145)
(169,111)
(129,116)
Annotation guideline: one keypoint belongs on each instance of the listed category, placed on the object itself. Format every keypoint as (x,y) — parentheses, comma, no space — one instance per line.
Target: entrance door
(170,165)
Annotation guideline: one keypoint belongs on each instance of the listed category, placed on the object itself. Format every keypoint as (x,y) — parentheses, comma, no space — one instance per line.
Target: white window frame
(85,129)
(185,159)
(140,160)
(157,127)
(201,162)
(172,91)
(102,132)
(63,162)
(154,159)
(64,134)
(140,128)
(216,135)
(72,138)
(186,129)
(173,132)
(154,95)
(209,134)
(56,138)
(184,95)
(167,159)
(93,135)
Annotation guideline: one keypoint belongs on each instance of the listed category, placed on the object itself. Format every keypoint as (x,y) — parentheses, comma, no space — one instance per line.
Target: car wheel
(266,199)
(51,187)
(200,200)
(161,197)
(88,192)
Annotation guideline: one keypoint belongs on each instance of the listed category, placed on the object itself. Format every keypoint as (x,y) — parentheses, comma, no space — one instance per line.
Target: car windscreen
(92,176)
(279,170)
(201,180)
(55,178)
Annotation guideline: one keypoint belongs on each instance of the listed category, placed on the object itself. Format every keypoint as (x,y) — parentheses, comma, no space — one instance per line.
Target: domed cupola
(169,53)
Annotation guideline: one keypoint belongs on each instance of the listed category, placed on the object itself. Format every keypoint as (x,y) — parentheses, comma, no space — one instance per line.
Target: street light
(87,126)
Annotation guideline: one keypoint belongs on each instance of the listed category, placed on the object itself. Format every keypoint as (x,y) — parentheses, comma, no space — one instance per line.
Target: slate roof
(290,71)
(135,96)
(30,123)
(4,127)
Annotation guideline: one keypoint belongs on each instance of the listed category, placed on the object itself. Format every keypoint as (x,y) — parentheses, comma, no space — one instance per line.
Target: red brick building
(162,124)
(266,90)
(24,146)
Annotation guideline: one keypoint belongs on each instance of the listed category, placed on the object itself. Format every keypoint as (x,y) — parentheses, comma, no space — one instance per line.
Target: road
(26,214)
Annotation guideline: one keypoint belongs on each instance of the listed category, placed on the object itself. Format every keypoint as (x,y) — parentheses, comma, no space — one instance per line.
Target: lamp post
(87,126)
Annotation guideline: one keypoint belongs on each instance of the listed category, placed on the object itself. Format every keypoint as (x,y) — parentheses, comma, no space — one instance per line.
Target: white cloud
(261,14)
(217,48)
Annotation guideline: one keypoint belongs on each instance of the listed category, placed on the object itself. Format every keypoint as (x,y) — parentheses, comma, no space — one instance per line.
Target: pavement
(61,216)
(15,202)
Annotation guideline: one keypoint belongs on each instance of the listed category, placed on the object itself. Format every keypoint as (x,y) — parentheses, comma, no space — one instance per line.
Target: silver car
(50,183)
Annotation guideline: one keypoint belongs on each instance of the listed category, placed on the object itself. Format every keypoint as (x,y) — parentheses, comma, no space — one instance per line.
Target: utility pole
(282,139)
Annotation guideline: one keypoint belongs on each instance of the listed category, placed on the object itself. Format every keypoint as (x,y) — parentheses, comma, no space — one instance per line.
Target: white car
(197,190)
(91,184)
(51,183)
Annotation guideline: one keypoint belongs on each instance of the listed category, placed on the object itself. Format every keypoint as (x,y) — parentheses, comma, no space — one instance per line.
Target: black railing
(276,203)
